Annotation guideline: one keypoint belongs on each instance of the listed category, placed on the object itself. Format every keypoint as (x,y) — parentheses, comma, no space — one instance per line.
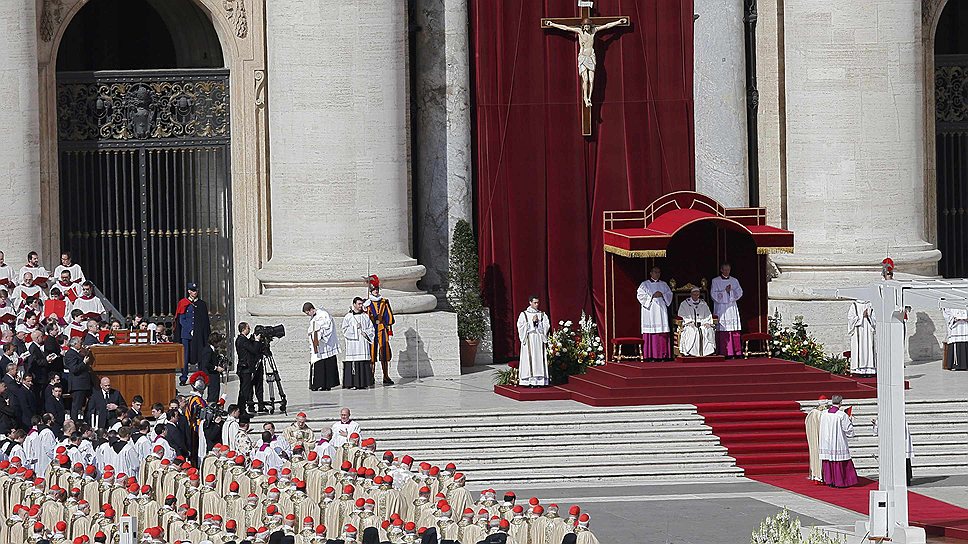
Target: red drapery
(541,187)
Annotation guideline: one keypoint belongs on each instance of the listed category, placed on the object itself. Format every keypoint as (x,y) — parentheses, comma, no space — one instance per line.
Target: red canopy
(647,233)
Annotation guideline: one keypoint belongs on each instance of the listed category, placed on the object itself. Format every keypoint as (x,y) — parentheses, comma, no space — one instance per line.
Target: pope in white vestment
(956,355)
(860,325)
(698,336)
(533,329)
(655,297)
(726,291)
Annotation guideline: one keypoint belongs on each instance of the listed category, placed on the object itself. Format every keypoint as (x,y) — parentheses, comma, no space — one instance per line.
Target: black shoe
(263,410)
(387,381)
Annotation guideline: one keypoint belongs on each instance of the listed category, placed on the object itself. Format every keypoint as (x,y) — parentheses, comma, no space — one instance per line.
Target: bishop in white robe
(533,330)
(835,428)
(655,297)
(726,291)
(860,325)
(358,332)
(956,355)
(698,335)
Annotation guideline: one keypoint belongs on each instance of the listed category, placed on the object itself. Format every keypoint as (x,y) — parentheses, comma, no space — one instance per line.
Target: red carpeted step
(729,439)
(769,425)
(767,447)
(790,405)
(794,390)
(780,468)
(778,458)
(725,417)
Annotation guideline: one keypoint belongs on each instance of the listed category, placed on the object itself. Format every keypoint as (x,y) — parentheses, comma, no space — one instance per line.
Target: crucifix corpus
(585,27)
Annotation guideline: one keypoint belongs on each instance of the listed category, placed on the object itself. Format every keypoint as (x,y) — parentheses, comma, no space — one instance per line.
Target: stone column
(442,133)
(720,99)
(855,156)
(20,119)
(340,192)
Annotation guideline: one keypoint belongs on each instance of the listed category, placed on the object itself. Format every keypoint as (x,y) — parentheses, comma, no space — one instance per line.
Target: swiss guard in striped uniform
(194,407)
(378,308)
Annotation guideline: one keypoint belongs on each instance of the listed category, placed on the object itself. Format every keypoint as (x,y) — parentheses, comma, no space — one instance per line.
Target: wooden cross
(574,24)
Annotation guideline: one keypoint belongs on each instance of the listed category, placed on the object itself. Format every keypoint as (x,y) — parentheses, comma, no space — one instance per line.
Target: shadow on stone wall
(414,357)
(923,345)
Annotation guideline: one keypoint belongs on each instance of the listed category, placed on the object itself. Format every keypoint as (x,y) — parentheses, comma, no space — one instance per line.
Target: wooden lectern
(146,370)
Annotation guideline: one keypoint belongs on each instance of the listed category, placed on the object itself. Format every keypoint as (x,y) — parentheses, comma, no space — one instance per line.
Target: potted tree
(464,292)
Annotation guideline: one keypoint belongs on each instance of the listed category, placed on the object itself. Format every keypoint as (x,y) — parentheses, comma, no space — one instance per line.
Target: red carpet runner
(696,381)
(938,518)
(765,437)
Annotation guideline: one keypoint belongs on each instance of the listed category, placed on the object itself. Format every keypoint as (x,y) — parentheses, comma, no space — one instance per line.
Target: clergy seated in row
(697,337)
(956,353)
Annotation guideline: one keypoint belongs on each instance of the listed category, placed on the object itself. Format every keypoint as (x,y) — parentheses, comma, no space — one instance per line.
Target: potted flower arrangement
(572,352)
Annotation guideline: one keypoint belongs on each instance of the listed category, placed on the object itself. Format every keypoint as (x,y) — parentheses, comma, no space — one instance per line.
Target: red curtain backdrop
(541,186)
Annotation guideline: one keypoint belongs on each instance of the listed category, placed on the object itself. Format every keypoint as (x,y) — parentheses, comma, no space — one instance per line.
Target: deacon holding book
(698,336)
(323,373)
(533,330)
(358,332)
(381,314)
(726,291)
(655,297)
(77,274)
(860,325)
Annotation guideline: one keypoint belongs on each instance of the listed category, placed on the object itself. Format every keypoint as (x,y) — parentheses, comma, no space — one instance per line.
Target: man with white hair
(698,335)
(343,428)
(836,426)
(324,447)
(299,433)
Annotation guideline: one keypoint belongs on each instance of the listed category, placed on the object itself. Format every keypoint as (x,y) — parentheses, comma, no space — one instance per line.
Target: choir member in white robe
(27,289)
(533,329)
(40,274)
(8,276)
(358,332)
(860,325)
(324,345)
(230,428)
(39,447)
(956,354)
(698,335)
(655,297)
(77,274)
(835,428)
(726,291)
(68,287)
(90,305)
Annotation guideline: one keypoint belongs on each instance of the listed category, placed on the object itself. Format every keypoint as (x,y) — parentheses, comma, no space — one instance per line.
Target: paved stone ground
(708,512)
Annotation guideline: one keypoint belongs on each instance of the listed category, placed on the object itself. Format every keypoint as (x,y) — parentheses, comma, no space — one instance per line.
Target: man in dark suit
(79,380)
(7,415)
(105,405)
(176,431)
(210,362)
(38,364)
(54,405)
(249,351)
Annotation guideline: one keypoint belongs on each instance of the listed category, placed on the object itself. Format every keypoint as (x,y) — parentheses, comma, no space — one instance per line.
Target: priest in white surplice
(836,426)
(956,356)
(698,335)
(726,291)
(860,325)
(655,297)
(359,333)
(533,329)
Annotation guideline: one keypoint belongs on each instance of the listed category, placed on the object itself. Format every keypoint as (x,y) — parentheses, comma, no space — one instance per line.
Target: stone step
(519,474)
(496,449)
(542,434)
(553,458)
(616,430)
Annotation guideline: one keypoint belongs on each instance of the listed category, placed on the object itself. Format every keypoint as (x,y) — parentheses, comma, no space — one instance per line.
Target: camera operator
(212,362)
(249,351)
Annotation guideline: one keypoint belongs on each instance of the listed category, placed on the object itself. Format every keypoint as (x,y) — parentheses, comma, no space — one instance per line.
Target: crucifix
(585,27)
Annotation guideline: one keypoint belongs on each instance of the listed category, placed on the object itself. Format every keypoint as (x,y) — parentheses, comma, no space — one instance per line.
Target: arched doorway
(144,153)
(951,138)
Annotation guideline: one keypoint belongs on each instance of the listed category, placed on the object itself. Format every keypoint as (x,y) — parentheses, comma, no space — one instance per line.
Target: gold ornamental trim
(772,250)
(635,254)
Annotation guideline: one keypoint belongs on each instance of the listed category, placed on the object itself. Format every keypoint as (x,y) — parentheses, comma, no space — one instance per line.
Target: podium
(146,370)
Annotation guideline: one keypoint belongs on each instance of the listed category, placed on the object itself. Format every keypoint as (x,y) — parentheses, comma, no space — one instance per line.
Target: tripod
(272,377)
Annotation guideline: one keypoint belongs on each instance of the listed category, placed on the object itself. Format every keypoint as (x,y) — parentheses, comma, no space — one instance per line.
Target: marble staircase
(582,446)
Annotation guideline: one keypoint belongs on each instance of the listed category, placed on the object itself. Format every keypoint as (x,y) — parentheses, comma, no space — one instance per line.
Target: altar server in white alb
(323,373)
(861,327)
(533,329)
(698,336)
(655,297)
(726,291)
(956,354)
(358,332)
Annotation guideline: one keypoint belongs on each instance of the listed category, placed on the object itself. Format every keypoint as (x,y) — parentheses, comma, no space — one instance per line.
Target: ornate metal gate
(951,143)
(145,185)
